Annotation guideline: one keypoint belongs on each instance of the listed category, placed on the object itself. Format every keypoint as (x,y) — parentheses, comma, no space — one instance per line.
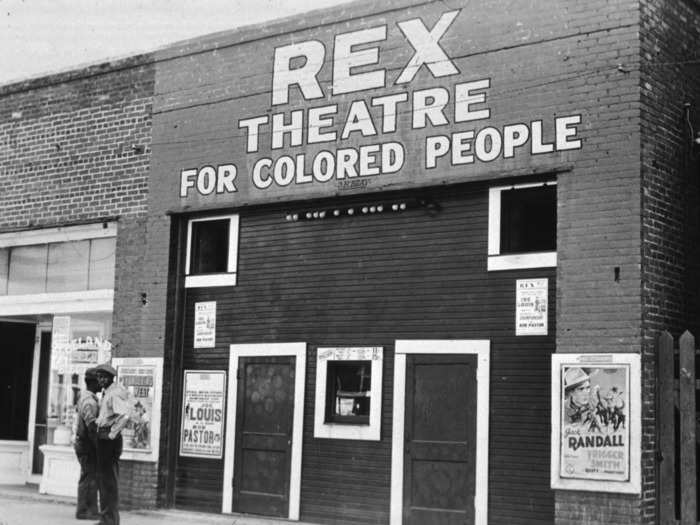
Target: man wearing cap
(85,445)
(113,417)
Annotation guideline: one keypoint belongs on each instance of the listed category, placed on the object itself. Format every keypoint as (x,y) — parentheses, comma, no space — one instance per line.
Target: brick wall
(66,141)
(671,200)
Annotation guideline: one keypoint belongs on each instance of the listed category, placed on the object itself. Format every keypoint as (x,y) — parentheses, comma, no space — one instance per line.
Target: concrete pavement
(24,506)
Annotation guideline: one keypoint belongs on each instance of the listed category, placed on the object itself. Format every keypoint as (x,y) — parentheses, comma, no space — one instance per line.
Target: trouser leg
(108,452)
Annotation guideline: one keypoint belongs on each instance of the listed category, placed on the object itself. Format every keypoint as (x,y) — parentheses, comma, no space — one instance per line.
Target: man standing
(86,448)
(113,417)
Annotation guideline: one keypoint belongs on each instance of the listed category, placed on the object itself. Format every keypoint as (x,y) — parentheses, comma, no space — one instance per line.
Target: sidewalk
(23,505)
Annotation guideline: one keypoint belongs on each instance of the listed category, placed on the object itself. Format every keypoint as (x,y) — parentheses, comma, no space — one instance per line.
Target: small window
(348,393)
(522,226)
(212,246)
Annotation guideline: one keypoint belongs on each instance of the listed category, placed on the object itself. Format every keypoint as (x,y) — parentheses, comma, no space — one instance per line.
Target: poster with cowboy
(593,417)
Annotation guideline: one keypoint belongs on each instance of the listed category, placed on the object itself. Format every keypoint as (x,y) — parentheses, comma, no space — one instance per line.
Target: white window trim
(214,279)
(264,349)
(480,347)
(496,261)
(62,234)
(371,432)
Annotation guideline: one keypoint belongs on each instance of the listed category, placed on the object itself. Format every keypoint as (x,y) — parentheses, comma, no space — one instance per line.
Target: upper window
(212,251)
(523,226)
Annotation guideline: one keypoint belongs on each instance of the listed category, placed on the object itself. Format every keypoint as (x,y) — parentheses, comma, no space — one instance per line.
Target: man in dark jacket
(86,448)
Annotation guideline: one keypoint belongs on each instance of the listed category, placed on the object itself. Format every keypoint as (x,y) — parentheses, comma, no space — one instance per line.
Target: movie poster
(594,419)
(142,379)
(203,414)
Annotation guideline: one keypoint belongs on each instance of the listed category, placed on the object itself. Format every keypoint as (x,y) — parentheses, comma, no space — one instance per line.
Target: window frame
(227,278)
(361,430)
(495,260)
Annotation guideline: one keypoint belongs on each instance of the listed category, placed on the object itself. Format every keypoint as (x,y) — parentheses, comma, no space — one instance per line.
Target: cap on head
(106,368)
(91,374)
(574,377)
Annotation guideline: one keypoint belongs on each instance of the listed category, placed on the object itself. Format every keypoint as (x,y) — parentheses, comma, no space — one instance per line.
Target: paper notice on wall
(531,307)
(205,324)
(202,432)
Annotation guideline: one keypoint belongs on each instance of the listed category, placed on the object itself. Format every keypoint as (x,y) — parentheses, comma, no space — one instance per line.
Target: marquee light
(366,209)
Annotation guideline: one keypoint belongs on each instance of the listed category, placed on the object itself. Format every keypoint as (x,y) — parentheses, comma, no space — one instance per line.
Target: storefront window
(78,342)
(57,267)
(27,270)
(67,269)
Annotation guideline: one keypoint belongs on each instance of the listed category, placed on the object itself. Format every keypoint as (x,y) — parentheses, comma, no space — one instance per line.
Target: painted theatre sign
(350,115)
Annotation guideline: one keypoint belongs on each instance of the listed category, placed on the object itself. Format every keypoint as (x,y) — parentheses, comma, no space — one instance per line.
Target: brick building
(354,243)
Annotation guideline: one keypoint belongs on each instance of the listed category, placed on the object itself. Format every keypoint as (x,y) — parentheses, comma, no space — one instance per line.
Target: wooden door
(264,419)
(440,439)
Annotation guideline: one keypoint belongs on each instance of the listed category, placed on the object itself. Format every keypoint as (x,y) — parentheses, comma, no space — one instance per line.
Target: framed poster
(203,410)
(205,324)
(596,422)
(143,378)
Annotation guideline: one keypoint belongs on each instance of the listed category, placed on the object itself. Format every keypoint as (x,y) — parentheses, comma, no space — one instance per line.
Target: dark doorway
(264,417)
(17,351)
(440,439)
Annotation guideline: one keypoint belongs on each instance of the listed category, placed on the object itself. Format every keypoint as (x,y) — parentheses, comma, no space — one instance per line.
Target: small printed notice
(205,324)
(531,307)
(202,432)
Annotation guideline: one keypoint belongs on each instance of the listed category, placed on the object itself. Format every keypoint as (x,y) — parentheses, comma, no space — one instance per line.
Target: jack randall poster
(203,414)
(142,379)
(594,437)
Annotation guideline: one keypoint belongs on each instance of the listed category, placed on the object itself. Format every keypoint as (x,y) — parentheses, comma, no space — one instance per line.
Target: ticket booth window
(348,392)
(348,400)
(212,251)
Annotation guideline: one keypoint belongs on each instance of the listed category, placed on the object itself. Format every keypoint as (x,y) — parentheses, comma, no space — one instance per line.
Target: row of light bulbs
(337,212)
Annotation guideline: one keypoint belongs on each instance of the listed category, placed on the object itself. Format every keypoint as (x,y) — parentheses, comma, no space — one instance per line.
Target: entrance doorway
(262,464)
(440,432)
(263,435)
(17,350)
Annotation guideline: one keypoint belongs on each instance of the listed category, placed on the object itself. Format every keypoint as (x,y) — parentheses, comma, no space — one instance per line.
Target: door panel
(263,435)
(440,434)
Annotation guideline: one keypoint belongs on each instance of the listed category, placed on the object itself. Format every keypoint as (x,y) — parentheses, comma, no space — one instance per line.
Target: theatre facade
(384,247)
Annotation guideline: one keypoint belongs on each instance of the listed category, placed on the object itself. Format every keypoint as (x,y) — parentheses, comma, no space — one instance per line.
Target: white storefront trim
(57,303)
